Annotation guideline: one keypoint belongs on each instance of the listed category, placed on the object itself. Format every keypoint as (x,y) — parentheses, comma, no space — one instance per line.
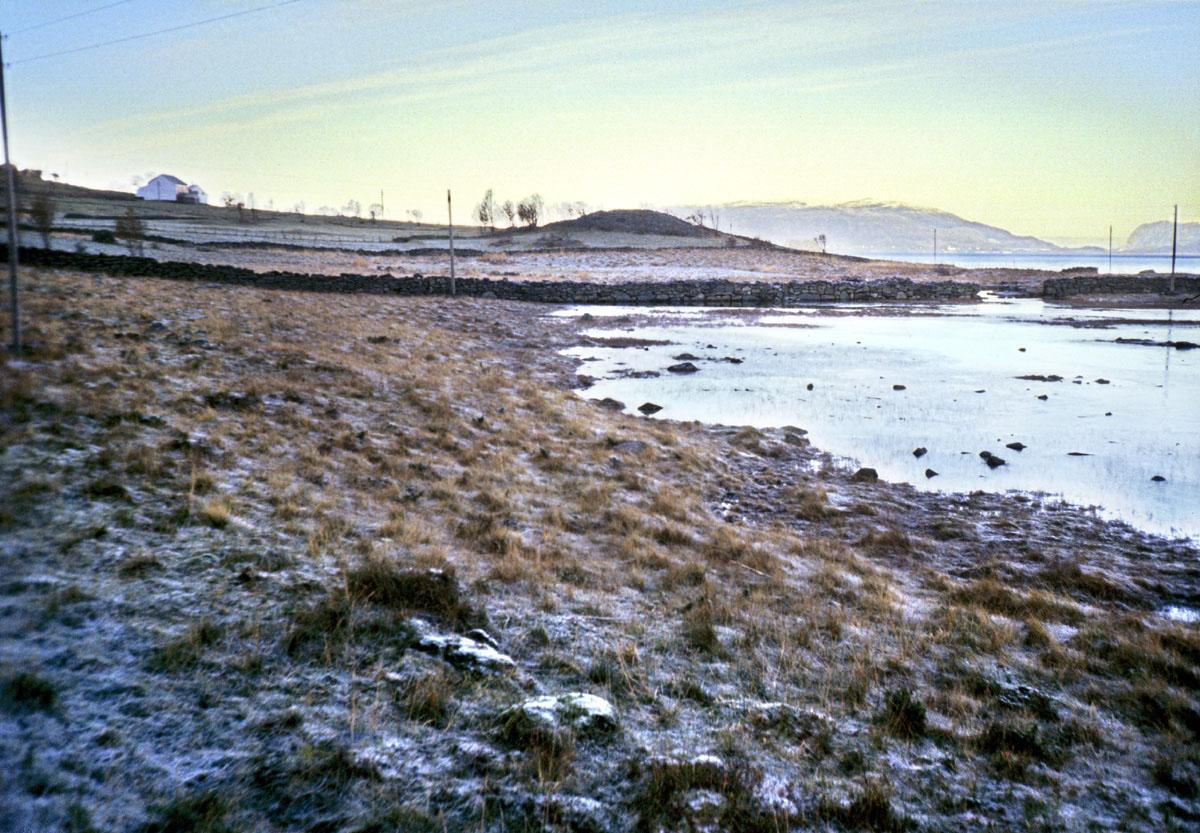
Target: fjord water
(958,365)
(1121,264)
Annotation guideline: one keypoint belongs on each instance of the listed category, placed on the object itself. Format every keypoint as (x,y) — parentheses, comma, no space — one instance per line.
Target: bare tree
(486,210)
(42,215)
(510,211)
(352,207)
(529,209)
(376,210)
(416,214)
(131,230)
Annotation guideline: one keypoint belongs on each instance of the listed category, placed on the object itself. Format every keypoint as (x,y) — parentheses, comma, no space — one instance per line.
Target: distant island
(866,227)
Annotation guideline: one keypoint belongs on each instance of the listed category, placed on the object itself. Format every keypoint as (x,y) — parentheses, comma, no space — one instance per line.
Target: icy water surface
(958,365)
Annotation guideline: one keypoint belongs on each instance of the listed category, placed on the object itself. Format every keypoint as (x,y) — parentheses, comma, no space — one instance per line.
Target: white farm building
(172,189)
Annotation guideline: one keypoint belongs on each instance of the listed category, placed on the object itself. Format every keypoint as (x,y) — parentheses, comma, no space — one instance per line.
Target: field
(281,561)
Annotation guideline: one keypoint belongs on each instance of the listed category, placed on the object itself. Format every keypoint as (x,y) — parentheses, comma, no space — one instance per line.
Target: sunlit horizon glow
(1052,119)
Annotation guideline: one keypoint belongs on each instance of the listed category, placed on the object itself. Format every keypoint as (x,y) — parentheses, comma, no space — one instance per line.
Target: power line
(155,32)
(69,17)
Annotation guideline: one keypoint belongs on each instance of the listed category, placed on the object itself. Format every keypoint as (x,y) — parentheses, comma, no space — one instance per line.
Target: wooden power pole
(1174,238)
(13,241)
(450,225)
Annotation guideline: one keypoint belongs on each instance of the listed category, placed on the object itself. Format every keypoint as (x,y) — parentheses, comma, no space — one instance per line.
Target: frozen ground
(267,555)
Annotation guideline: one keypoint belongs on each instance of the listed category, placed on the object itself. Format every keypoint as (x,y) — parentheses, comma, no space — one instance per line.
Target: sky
(1053,118)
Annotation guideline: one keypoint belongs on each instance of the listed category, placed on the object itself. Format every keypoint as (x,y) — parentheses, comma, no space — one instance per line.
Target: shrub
(24,691)
(902,714)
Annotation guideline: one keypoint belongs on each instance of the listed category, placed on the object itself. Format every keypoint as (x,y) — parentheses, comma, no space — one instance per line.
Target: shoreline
(281,639)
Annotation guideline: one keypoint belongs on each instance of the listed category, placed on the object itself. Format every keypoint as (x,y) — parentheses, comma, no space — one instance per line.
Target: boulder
(649,408)
(465,652)
(929,473)
(575,710)
(920,451)
(865,475)
(683,367)
(610,404)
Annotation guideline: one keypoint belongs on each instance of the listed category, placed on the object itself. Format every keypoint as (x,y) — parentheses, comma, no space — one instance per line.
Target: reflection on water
(1121,415)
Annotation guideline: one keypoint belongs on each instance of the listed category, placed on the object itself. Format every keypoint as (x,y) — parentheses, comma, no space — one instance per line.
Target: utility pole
(450,222)
(1110,250)
(381,203)
(1174,237)
(13,242)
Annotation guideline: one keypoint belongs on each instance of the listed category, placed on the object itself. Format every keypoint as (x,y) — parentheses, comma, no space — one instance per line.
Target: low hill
(630,221)
(870,228)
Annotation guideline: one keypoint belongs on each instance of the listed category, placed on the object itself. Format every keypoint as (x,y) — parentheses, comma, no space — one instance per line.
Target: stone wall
(1117,285)
(674,293)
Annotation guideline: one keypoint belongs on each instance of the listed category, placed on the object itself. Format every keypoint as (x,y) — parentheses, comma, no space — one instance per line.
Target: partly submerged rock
(1038,377)
(1158,478)
(920,451)
(899,387)
(930,473)
(686,357)
(1017,446)
(992,460)
(649,408)
(683,367)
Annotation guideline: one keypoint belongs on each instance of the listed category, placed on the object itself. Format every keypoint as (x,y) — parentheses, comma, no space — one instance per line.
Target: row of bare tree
(528,211)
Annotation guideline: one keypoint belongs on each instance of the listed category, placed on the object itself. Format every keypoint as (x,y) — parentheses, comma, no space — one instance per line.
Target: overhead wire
(162,31)
(64,18)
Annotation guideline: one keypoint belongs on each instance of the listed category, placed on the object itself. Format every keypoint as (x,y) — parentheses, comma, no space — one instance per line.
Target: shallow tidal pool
(886,380)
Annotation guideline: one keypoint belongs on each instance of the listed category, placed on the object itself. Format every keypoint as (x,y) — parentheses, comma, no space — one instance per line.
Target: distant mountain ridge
(871,227)
(1155,238)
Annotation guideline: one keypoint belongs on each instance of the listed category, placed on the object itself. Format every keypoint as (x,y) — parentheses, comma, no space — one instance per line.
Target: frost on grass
(284,561)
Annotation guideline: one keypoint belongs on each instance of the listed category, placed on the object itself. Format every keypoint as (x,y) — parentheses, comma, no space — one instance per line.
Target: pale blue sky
(1050,118)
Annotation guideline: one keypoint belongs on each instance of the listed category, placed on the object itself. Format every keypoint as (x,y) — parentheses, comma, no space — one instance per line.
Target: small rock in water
(1103,382)
(1021,349)
(930,473)
(981,390)
(898,387)
(809,386)
(1158,478)
(1017,446)
(648,408)
(1043,397)
(686,357)
(865,475)
(1108,413)
(920,451)
(683,367)
(1078,454)
(992,460)
(1040,377)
